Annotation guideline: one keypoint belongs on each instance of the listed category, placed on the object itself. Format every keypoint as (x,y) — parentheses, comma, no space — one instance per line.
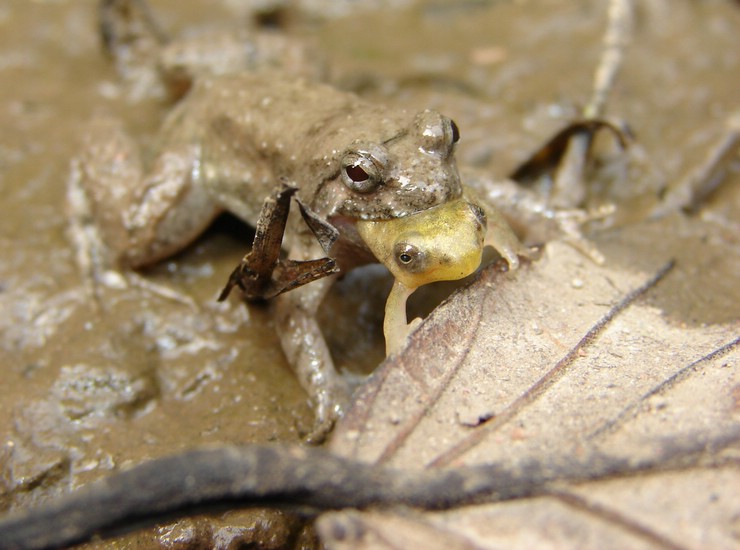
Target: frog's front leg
(141,217)
(305,347)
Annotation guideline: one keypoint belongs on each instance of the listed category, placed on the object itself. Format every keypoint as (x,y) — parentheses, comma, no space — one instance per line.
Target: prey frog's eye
(410,258)
(363,170)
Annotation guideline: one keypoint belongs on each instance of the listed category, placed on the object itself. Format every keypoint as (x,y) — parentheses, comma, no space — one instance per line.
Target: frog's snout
(438,244)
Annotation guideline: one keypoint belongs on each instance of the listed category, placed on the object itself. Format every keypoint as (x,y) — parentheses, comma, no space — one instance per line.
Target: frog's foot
(95,261)
(570,223)
(328,411)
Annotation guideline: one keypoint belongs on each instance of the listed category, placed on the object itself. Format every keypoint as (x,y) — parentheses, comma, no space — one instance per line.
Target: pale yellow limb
(395,326)
(501,237)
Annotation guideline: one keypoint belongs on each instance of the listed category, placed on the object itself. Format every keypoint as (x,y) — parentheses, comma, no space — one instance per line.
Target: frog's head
(396,168)
(442,243)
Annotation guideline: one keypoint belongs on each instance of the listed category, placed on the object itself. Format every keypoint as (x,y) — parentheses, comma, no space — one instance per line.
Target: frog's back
(254,130)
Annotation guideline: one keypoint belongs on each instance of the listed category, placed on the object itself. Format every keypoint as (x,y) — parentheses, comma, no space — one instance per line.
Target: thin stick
(616,39)
(569,190)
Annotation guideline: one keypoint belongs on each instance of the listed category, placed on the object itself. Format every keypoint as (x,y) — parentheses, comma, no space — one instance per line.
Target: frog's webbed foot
(570,223)
(262,274)
(98,264)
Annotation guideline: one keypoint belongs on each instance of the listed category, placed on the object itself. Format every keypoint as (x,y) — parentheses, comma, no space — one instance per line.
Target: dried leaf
(560,359)
(548,157)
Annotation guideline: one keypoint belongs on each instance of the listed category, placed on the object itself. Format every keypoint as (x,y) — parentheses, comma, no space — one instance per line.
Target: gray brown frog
(236,140)
(372,183)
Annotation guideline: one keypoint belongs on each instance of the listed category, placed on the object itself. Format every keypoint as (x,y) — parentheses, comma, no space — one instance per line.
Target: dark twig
(262,273)
(310,478)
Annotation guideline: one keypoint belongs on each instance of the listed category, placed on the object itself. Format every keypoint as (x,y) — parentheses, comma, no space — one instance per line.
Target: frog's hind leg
(121,217)
(306,349)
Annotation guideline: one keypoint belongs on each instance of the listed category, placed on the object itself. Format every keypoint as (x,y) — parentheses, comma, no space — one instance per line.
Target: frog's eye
(438,134)
(361,172)
(410,258)
(454,132)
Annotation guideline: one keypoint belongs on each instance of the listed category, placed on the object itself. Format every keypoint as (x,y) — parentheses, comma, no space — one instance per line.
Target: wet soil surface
(92,383)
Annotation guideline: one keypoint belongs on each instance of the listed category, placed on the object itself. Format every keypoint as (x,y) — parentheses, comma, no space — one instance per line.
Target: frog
(237,139)
(442,243)
(372,183)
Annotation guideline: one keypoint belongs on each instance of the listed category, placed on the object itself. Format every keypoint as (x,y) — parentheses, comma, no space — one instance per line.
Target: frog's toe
(326,419)
(587,248)
(320,431)
(330,407)
(571,222)
(512,258)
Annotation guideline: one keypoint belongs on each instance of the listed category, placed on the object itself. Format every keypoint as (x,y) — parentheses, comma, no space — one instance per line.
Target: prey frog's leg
(262,274)
(395,325)
(500,236)
(305,347)
(528,213)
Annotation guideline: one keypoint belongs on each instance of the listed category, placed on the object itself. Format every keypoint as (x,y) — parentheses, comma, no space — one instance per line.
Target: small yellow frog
(442,243)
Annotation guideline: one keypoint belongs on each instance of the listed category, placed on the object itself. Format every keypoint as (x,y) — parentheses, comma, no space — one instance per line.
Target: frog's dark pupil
(455,132)
(405,258)
(356,173)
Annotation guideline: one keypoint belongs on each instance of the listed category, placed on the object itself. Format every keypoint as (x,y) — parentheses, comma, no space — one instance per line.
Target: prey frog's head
(442,243)
(392,167)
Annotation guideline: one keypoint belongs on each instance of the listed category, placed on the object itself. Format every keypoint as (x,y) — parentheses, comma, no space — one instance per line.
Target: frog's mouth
(441,243)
